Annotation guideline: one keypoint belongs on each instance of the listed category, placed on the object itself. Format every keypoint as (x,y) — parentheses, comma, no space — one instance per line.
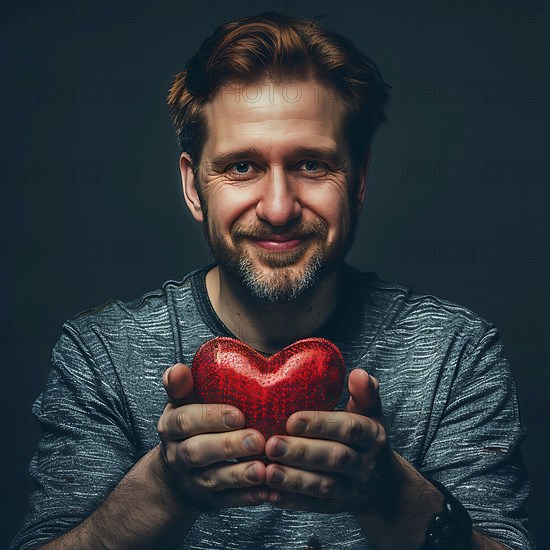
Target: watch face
(451,529)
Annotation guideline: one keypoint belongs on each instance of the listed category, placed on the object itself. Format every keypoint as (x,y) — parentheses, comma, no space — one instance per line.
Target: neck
(265,326)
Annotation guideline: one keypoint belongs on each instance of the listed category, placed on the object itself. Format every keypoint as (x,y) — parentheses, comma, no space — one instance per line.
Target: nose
(279,202)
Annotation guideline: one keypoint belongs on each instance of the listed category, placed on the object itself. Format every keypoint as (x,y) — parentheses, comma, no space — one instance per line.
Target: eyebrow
(328,154)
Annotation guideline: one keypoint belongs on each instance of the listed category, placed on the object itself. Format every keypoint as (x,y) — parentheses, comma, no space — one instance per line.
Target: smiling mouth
(277,243)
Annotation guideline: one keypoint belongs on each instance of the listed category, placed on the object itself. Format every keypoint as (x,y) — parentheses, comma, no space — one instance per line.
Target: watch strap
(450,529)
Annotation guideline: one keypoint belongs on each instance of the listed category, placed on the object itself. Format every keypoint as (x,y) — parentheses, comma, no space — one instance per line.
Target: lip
(279,243)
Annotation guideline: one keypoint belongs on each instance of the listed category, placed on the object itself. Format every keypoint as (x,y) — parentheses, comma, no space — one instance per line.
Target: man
(275,117)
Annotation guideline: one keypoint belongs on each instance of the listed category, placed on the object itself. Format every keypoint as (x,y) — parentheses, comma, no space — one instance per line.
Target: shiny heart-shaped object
(306,375)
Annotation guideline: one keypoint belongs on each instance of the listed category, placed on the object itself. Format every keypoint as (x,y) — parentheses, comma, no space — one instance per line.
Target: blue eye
(311,165)
(242,167)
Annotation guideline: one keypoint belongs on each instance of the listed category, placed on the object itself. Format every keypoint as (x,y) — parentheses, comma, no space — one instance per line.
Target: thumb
(364,396)
(178,383)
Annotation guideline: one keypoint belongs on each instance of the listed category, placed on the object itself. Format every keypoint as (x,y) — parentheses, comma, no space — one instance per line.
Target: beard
(279,276)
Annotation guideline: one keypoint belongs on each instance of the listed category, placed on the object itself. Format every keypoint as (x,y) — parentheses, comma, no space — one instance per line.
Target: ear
(189,189)
(362,187)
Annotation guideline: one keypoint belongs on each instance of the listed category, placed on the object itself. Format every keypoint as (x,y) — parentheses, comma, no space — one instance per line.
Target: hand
(198,438)
(341,461)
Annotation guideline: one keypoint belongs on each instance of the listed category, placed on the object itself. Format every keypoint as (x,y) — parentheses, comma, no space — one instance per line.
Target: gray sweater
(447,392)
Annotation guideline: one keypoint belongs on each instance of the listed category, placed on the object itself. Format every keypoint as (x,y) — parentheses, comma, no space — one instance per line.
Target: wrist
(170,493)
(451,528)
(386,502)
(401,519)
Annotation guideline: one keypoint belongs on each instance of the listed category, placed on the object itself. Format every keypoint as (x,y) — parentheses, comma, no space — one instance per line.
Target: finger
(294,501)
(205,449)
(316,484)
(348,428)
(221,476)
(178,382)
(313,454)
(364,395)
(235,498)
(180,422)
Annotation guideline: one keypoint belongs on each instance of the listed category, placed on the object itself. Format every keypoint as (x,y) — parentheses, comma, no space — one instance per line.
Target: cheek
(231,206)
(333,208)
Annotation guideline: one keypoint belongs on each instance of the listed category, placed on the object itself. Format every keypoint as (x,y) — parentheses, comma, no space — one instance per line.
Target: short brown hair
(283,48)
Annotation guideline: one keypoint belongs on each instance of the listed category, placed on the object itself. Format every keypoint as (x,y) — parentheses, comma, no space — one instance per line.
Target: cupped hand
(335,461)
(199,445)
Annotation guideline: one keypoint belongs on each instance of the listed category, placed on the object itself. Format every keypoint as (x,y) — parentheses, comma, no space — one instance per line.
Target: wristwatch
(451,529)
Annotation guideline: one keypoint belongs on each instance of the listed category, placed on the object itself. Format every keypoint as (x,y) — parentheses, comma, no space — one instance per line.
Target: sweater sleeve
(86,445)
(475,449)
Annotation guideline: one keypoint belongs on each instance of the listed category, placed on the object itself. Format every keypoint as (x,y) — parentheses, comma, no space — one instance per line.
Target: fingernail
(277,476)
(299,427)
(169,373)
(280,448)
(252,473)
(250,443)
(231,420)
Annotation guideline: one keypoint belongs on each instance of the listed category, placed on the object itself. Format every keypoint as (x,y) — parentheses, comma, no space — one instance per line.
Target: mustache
(264,230)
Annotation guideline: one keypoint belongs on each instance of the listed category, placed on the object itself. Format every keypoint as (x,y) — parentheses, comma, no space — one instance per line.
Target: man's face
(273,180)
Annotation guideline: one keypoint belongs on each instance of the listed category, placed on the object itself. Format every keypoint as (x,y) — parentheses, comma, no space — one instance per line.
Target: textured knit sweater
(447,393)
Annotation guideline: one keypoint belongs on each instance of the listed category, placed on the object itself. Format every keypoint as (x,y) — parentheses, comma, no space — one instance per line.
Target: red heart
(307,375)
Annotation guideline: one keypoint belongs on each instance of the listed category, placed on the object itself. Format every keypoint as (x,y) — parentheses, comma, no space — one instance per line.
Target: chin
(281,284)
(278,277)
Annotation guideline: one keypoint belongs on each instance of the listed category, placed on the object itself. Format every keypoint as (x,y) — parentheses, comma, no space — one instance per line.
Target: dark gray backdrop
(457,201)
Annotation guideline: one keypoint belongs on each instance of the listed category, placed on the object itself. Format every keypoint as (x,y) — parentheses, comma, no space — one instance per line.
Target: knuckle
(324,427)
(381,437)
(353,430)
(327,488)
(183,422)
(228,445)
(189,452)
(161,427)
(369,468)
(300,454)
(297,484)
(169,455)
(208,481)
(339,457)
(378,434)
(236,477)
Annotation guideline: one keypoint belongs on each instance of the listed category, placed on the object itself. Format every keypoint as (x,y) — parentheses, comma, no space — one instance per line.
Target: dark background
(92,209)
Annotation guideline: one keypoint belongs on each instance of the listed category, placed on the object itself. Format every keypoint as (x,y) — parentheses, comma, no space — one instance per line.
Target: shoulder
(121,331)
(144,310)
(406,314)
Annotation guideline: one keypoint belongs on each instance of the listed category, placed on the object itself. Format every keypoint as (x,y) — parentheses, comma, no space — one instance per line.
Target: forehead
(265,114)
